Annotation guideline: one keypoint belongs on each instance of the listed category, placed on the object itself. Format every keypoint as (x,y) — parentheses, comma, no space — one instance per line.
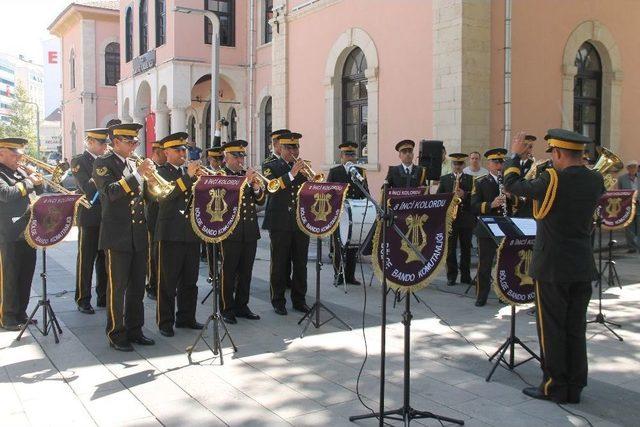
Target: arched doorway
(587,93)
(355,102)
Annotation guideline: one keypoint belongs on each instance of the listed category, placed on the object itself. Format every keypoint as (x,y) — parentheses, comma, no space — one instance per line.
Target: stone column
(279,71)
(162,124)
(178,119)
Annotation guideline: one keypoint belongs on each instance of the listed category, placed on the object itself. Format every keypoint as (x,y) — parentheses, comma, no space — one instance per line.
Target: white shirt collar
(410,167)
(92,155)
(495,177)
(120,157)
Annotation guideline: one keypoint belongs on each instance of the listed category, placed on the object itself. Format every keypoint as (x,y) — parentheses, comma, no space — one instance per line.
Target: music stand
(507,229)
(313,316)
(49,319)
(610,264)
(216,316)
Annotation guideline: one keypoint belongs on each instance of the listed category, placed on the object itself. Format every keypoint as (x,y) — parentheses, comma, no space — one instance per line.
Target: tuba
(157,185)
(608,161)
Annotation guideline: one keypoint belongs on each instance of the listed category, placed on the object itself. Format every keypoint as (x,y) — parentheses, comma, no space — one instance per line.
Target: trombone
(30,163)
(309,172)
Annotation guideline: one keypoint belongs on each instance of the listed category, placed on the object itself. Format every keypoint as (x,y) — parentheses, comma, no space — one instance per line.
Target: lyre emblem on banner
(614,205)
(217,207)
(321,207)
(522,268)
(416,235)
(52,219)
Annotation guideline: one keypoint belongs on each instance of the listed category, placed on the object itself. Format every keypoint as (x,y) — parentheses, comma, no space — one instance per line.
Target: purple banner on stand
(512,282)
(51,219)
(215,209)
(617,208)
(319,207)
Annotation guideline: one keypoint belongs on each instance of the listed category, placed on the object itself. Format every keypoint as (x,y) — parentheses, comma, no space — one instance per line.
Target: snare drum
(356,219)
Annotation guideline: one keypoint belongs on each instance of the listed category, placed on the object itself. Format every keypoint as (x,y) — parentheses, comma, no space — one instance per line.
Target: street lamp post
(215,57)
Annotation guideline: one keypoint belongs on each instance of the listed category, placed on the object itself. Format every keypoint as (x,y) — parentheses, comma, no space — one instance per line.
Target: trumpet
(203,170)
(157,185)
(30,163)
(309,172)
(272,185)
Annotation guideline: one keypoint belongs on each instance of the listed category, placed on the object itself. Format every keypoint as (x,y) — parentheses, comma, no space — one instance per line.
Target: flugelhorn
(608,161)
(157,185)
(272,185)
(56,175)
(309,172)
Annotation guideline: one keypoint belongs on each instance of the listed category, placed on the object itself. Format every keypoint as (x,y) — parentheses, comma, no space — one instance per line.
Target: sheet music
(526,225)
(496,230)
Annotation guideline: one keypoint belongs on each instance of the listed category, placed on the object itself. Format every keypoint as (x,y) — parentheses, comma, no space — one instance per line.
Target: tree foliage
(22,120)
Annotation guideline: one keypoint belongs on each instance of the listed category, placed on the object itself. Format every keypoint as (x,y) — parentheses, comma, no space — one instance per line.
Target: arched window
(112,64)
(233,125)
(161,22)
(587,92)
(192,129)
(72,69)
(268,14)
(128,36)
(225,9)
(267,127)
(73,135)
(144,27)
(354,102)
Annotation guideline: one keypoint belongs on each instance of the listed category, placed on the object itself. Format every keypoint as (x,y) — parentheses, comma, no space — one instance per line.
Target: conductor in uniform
(562,265)
(486,199)
(88,222)
(123,235)
(178,245)
(238,251)
(17,258)
(289,244)
(348,154)
(151,215)
(406,174)
(461,184)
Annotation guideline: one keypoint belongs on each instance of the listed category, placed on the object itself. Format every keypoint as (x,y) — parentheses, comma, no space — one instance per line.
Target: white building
(18,71)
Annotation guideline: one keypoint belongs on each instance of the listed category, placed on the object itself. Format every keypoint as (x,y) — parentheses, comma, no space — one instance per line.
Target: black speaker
(431,158)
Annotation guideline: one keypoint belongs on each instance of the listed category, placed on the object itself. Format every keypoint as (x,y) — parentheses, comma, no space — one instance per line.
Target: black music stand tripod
(49,319)
(600,317)
(313,316)
(216,316)
(406,413)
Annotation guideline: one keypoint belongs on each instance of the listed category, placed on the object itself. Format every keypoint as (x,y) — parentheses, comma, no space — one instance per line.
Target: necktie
(406,170)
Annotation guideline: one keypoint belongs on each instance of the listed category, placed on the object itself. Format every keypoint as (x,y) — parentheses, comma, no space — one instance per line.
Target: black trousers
(463,235)
(152,265)
(237,265)
(486,254)
(288,247)
(562,325)
(88,256)
(17,264)
(350,255)
(125,292)
(178,266)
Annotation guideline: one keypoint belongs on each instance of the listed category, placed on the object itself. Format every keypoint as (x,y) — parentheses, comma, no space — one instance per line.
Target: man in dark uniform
(487,200)
(238,251)
(123,235)
(88,222)
(342,175)
(178,245)
(289,244)
(406,174)
(215,159)
(17,258)
(151,215)
(565,198)
(524,206)
(462,228)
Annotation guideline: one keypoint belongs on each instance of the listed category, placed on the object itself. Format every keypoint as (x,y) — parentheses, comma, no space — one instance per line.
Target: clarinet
(501,187)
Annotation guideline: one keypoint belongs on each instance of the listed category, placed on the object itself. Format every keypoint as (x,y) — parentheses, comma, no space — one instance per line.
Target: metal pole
(38,129)
(507,73)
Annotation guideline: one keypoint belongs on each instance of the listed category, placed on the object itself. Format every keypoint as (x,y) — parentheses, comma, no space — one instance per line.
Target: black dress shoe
(87,309)
(166,332)
(152,295)
(573,395)
(466,280)
(481,303)
(338,279)
(303,308)
(451,282)
(190,325)
(536,393)
(11,327)
(229,318)
(248,314)
(282,311)
(142,340)
(101,303)
(121,347)
(353,281)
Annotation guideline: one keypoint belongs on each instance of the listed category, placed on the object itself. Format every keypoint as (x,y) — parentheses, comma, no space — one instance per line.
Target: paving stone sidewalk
(276,378)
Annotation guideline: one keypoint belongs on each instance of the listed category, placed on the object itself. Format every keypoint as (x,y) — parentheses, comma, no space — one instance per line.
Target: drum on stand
(356,220)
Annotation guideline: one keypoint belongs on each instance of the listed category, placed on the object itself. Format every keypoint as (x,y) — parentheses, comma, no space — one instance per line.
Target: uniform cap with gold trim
(175,140)
(99,134)
(16,144)
(458,157)
(404,144)
(495,154)
(236,148)
(156,144)
(278,132)
(125,129)
(348,147)
(291,138)
(215,152)
(530,138)
(566,139)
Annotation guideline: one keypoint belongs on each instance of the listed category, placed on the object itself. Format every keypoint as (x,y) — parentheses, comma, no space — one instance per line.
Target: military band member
(215,159)
(348,153)
(406,174)
(17,258)
(238,251)
(123,235)
(524,206)
(487,200)
(88,222)
(562,264)
(461,184)
(151,215)
(178,245)
(289,244)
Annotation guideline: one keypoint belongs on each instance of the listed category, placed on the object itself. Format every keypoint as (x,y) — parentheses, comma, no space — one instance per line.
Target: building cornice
(76,12)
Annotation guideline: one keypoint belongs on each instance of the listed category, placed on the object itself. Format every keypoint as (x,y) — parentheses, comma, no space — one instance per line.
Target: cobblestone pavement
(276,378)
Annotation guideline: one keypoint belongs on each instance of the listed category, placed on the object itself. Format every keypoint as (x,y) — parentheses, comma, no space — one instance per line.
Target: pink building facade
(90,43)
(376,72)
